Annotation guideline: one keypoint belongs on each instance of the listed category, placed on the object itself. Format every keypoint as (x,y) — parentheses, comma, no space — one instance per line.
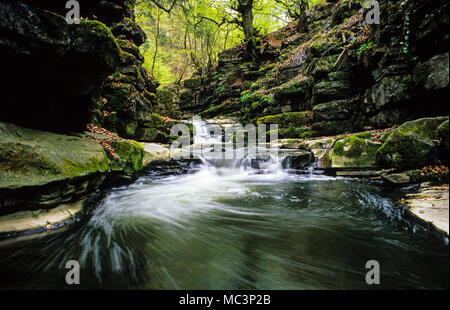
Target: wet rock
(298,160)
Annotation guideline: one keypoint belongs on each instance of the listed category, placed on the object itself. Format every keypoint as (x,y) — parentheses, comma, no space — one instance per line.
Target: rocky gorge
(85,138)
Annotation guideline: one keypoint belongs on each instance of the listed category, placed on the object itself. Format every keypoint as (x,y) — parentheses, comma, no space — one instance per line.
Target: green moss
(295,88)
(21,158)
(287,119)
(157,121)
(193,82)
(130,153)
(410,145)
(353,151)
(74,169)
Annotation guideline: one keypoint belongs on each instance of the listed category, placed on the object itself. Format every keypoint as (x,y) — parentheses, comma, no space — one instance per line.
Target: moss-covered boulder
(43,169)
(129,157)
(32,157)
(411,145)
(356,151)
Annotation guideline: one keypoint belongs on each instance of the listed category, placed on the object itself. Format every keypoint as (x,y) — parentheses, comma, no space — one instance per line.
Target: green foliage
(189,39)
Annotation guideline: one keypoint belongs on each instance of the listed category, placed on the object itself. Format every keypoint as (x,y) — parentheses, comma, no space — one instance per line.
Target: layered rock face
(61,76)
(128,96)
(53,70)
(40,169)
(330,72)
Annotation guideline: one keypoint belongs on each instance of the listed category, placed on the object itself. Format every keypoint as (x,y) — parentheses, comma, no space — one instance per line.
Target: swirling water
(234,228)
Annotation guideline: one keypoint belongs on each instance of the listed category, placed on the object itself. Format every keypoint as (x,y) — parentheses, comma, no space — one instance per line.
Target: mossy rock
(130,156)
(323,66)
(411,145)
(193,83)
(287,119)
(32,157)
(130,48)
(289,133)
(152,135)
(354,152)
(293,89)
(331,127)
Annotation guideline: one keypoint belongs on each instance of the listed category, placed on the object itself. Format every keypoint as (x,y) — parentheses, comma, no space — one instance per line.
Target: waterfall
(211,148)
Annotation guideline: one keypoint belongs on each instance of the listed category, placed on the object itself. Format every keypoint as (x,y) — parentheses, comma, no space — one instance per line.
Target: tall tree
(244,9)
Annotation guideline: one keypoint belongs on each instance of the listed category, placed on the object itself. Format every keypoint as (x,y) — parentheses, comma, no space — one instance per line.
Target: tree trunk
(247,18)
(245,8)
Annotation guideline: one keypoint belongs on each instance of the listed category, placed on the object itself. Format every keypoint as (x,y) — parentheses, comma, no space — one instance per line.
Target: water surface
(235,228)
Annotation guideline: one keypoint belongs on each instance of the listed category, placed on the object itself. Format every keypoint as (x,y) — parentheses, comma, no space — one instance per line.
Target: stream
(233,227)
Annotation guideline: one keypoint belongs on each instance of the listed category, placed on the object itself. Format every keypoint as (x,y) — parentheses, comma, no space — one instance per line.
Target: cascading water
(208,136)
(231,224)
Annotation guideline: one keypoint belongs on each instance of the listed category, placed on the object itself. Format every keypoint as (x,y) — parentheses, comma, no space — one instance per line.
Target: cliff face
(61,77)
(330,72)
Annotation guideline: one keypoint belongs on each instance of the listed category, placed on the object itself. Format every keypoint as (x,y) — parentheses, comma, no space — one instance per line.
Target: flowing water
(233,227)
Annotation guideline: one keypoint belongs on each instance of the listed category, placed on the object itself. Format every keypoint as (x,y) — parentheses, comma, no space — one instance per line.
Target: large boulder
(356,151)
(411,145)
(43,169)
